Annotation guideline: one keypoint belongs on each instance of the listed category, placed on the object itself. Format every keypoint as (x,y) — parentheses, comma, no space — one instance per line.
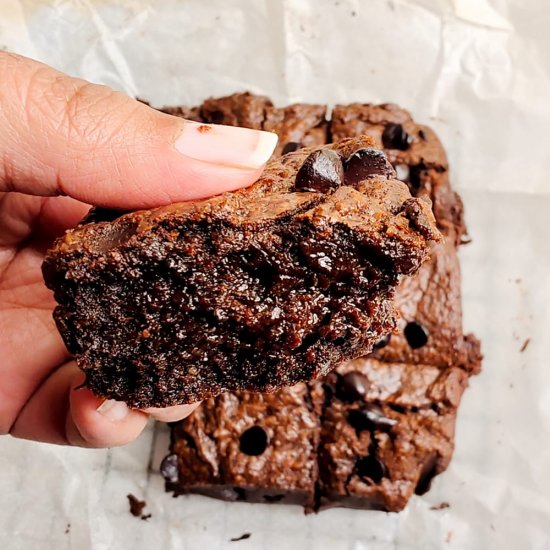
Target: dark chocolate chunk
(365,164)
(321,172)
(253,441)
(353,386)
(395,137)
(98,214)
(416,335)
(372,468)
(169,468)
(429,471)
(383,342)
(290,147)
(370,418)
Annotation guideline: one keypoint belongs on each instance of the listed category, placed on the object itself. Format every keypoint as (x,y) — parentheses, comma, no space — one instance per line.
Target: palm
(31,347)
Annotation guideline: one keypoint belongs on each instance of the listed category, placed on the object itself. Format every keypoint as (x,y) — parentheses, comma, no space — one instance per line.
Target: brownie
(413,149)
(369,435)
(429,328)
(252,290)
(387,430)
(249,446)
(298,125)
(241,109)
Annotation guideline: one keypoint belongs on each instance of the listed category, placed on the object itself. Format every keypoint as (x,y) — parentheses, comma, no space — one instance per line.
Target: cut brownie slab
(387,430)
(414,150)
(369,435)
(249,446)
(250,290)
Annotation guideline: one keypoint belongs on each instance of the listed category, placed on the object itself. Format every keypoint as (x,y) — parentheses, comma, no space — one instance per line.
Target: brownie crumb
(137,506)
(68,529)
(525,345)
(440,506)
(244,536)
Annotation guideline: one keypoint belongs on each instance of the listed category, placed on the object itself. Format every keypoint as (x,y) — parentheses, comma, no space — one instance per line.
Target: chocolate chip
(372,468)
(383,342)
(422,135)
(429,471)
(370,418)
(416,335)
(97,214)
(394,136)
(321,172)
(290,147)
(365,164)
(253,442)
(169,468)
(353,386)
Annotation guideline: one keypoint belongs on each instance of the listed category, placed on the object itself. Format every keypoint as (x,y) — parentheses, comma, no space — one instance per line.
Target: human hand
(66,144)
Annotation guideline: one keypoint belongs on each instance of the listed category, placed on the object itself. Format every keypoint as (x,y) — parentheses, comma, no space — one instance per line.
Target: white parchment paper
(478,71)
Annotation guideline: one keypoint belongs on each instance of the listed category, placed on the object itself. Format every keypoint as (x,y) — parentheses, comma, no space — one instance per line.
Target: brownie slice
(250,447)
(387,430)
(240,109)
(413,149)
(429,328)
(251,290)
(298,125)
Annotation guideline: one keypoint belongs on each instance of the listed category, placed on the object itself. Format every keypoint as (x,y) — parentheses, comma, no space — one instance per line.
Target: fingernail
(113,410)
(226,145)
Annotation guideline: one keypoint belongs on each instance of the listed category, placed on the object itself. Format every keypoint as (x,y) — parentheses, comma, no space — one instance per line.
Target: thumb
(62,135)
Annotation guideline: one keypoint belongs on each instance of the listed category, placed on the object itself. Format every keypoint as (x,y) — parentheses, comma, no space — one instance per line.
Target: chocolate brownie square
(249,446)
(240,109)
(413,149)
(298,125)
(387,431)
(252,290)
(429,328)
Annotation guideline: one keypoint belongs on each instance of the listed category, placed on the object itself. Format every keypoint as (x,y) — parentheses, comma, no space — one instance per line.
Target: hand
(66,144)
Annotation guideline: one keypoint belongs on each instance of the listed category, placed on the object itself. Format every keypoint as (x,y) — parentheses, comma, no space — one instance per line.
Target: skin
(67,144)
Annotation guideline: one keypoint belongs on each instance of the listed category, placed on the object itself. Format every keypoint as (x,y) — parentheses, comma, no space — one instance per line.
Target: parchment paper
(478,71)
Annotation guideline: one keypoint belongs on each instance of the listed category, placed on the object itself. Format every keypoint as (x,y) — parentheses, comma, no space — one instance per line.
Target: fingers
(95,422)
(62,135)
(172,414)
(60,412)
